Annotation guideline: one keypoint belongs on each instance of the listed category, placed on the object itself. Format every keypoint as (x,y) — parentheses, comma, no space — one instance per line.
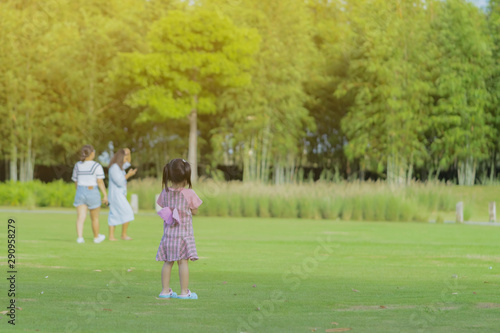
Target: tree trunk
(410,171)
(252,159)
(193,142)
(391,168)
(461,173)
(472,171)
(30,162)
(246,162)
(265,157)
(91,108)
(277,172)
(397,170)
(467,171)
(410,175)
(493,165)
(13,164)
(22,169)
(158,162)
(290,171)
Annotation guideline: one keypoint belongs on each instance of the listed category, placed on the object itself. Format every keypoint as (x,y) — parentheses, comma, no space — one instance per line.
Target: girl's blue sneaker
(190,295)
(170,294)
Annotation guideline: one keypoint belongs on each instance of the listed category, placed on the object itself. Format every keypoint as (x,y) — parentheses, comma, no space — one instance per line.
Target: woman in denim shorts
(88,176)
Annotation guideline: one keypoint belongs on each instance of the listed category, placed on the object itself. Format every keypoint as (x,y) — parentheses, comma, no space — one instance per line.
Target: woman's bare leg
(112,233)
(81,212)
(124,231)
(94,216)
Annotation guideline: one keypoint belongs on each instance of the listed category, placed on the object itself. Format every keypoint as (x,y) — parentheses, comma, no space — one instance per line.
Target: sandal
(189,295)
(170,294)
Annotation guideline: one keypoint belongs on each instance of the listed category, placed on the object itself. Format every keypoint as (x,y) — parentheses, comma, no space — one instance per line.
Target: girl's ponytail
(166,172)
(187,173)
(85,152)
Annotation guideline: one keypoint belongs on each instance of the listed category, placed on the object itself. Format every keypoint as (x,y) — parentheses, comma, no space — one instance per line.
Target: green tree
(24,98)
(493,83)
(267,120)
(193,56)
(390,78)
(459,118)
(57,56)
(331,26)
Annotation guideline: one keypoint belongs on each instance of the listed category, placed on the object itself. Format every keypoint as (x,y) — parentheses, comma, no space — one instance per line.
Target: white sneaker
(99,238)
(80,240)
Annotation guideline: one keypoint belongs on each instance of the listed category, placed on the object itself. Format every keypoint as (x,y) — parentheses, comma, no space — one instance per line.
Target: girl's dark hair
(118,158)
(176,171)
(85,152)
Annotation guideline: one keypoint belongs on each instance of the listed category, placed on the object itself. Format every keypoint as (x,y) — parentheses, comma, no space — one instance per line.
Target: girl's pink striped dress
(178,239)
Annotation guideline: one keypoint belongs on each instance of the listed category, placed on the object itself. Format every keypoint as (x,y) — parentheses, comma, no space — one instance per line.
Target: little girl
(177,244)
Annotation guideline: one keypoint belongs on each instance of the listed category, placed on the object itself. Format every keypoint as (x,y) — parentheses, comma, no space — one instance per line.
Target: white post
(134,202)
(156,203)
(493,212)
(460,212)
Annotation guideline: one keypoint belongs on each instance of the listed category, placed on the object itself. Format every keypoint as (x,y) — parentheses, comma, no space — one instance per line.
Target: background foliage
(394,90)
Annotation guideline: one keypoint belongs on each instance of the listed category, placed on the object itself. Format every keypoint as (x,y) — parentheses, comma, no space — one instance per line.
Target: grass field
(257,275)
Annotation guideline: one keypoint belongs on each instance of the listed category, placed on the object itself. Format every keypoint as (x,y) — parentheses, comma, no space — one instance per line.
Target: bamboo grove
(398,89)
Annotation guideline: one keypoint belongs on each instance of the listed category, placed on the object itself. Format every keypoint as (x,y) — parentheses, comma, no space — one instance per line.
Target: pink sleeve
(193,200)
(161,199)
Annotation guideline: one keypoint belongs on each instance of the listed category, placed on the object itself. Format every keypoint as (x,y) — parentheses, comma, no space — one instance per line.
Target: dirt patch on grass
(483,257)
(375,307)
(467,256)
(26,264)
(388,307)
(488,305)
(336,233)
(447,308)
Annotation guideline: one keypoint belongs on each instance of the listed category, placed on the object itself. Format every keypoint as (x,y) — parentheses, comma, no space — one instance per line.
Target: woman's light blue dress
(120,210)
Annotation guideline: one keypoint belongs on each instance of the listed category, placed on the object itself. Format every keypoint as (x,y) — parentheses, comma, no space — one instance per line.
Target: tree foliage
(398,89)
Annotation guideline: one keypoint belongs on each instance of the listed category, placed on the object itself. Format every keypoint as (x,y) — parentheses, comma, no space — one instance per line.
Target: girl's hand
(105,200)
(131,173)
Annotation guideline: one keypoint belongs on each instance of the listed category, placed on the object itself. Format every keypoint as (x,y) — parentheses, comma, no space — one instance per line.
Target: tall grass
(368,201)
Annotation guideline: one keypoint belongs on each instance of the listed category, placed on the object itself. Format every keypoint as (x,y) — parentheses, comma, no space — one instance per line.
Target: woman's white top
(86,173)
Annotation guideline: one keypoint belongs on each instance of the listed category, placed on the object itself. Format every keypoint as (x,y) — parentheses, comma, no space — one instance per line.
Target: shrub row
(37,194)
(352,201)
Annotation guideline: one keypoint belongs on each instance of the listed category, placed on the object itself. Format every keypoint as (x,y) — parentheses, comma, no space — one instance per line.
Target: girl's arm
(74,176)
(193,200)
(116,176)
(161,199)
(102,187)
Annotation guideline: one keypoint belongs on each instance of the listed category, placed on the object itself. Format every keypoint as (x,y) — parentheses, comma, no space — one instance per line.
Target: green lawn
(257,275)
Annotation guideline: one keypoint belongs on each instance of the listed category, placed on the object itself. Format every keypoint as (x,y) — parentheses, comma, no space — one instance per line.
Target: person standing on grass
(120,211)
(88,175)
(179,204)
